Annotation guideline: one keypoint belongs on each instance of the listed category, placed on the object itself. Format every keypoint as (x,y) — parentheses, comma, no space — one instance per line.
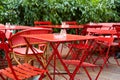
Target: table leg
(34,52)
(83,57)
(56,52)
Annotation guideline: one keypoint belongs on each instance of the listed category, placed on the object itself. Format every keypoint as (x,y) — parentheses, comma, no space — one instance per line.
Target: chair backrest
(70,22)
(100,32)
(88,26)
(105,40)
(104,44)
(17,40)
(38,23)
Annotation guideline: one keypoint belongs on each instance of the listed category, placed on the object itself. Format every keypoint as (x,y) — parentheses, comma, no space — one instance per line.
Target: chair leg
(2,77)
(69,52)
(87,73)
(116,59)
(15,58)
(41,77)
(101,68)
(117,62)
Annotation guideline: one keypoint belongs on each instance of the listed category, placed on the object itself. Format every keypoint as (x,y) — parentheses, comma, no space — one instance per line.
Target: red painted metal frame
(5,46)
(55,43)
(16,27)
(104,33)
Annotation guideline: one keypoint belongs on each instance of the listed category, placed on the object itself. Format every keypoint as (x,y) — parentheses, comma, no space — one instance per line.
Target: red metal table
(15,27)
(54,42)
(108,25)
(60,26)
(104,32)
(76,27)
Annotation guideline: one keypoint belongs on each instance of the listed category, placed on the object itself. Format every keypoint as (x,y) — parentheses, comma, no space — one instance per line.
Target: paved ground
(112,72)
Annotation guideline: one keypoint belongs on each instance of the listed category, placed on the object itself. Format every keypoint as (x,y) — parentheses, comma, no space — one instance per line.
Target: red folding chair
(84,32)
(94,26)
(103,49)
(101,46)
(20,48)
(106,33)
(17,72)
(84,52)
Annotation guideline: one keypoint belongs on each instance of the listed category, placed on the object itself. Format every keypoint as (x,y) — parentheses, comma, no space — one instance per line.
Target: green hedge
(25,12)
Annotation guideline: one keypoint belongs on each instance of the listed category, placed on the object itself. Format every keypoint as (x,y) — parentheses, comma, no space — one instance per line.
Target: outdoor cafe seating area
(38,53)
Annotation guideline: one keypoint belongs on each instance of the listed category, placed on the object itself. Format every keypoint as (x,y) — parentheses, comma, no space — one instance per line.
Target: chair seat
(22,51)
(76,62)
(22,71)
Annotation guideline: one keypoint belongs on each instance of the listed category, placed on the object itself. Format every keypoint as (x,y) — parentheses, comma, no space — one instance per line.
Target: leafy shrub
(25,12)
